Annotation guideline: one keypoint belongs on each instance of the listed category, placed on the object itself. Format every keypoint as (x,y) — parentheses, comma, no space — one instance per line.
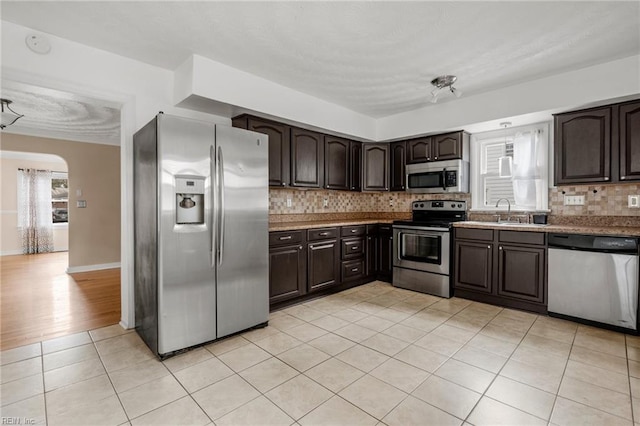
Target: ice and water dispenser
(190,200)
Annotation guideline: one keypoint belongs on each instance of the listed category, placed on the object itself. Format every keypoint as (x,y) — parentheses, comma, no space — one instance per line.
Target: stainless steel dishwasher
(594,278)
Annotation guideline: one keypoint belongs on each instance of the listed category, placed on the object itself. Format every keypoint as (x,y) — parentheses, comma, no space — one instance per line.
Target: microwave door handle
(444,179)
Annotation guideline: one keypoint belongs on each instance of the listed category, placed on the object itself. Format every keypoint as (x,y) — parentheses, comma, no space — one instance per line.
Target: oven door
(421,248)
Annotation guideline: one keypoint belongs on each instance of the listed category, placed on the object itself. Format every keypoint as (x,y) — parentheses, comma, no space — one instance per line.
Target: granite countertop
(627,231)
(292,226)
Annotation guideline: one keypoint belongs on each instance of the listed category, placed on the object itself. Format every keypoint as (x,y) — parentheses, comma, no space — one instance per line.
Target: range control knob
(459,206)
(421,204)
(453,205)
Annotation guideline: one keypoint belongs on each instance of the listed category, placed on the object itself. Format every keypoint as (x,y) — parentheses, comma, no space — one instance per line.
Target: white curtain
(528,185)
(34,210)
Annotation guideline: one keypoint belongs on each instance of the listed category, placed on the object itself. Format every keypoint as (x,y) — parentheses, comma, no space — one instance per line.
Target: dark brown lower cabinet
(474,265)
(287,265)
(385,253)
(322,264)
(521,272)
(506,268)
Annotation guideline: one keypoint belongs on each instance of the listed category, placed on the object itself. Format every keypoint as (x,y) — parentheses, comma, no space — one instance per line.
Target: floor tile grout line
(111,383)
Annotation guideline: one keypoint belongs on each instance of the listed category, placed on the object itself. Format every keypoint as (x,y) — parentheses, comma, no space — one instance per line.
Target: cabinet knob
(353,187)
(488,247)
(284,184)
(428,158)
(311,246)
(499,248)
(299,247)
(623,177)
(369,238)
(435,158)
(606,178)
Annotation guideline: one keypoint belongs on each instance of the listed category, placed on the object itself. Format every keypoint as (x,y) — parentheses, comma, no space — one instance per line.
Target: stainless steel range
(422,246)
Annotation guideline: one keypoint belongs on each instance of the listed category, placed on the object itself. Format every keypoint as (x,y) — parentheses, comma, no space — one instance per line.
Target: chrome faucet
(508,209)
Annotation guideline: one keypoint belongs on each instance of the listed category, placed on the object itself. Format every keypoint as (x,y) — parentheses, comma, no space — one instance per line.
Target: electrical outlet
(325,202)
(289,203)
(574,200)
(634,201)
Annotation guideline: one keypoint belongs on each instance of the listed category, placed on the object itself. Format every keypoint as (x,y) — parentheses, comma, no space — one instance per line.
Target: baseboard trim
(88,268)
(10,252)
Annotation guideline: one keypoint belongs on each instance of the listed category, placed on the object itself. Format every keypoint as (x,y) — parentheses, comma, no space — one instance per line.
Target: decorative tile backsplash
(607,200)
(599,200)
(313,201)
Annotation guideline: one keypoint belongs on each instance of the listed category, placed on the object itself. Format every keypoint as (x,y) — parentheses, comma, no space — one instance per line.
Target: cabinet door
(279,149)
(447,146)
(521,272)
(323,264)
(419,150)
(376,166)
(307,158)
(337,163)
(473,266)
(398,160)
(371,265)
(583,146)
(385,253)
(630,141)
(287,273)
(356,166)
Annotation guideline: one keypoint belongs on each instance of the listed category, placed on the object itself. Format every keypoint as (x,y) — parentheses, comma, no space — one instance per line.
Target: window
(511,164)
(59,197)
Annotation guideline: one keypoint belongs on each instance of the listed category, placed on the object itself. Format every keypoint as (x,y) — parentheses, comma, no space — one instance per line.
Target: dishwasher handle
(594,243)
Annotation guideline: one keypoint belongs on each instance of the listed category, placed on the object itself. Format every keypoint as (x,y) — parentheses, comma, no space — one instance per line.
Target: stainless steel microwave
(438,177)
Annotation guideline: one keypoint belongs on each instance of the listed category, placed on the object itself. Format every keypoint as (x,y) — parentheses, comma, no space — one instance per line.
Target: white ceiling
(61,115)
(376,58)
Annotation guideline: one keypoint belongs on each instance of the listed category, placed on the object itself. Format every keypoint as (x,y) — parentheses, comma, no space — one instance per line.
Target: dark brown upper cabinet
(307,158)
(398,161)
(279,146)
(447,146)
(375,159)
(629,122)
(583,146)
(419,150)
(356,166)
(337,165)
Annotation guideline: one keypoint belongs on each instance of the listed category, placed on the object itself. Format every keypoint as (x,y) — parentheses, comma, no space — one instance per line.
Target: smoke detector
(38,43)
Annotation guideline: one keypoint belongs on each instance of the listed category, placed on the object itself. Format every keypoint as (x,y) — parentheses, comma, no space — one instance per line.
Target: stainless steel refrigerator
(201,232)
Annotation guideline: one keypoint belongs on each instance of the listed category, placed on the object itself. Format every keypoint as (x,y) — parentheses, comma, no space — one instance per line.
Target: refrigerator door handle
(213,172)
(221,211)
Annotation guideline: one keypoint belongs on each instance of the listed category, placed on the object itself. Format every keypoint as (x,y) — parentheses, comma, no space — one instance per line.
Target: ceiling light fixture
(8,117)
(505,162)
(442,82)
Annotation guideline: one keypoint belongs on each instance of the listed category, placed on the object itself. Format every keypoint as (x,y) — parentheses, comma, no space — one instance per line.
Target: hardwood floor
(39,301)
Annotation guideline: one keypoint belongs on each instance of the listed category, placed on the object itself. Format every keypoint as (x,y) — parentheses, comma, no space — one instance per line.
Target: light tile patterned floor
(369,355)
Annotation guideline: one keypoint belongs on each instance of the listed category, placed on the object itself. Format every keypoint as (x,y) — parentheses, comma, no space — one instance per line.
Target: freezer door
(243,239)
(186,291)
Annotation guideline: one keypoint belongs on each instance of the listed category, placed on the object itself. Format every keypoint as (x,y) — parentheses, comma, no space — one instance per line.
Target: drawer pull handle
(323,234)
(354,270)
(288,237)
(355,248)
(353,231)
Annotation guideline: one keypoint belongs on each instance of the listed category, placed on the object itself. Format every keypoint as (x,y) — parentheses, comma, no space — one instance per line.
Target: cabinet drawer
(281,238)
(474,234)
(353,270)
(522,237)
(352,248)
(353,231)
(384,228)
(322,234)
